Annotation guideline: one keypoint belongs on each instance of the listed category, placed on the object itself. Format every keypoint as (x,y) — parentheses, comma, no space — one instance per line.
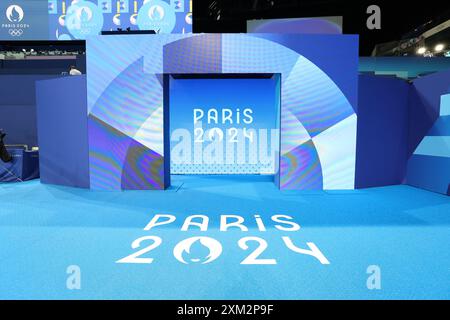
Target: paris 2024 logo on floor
(204,250)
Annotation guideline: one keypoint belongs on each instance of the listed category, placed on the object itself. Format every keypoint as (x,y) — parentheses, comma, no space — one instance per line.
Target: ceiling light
(421,50)
(440,47)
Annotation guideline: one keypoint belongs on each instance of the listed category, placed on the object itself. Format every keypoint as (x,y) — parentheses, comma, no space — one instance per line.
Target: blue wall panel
(18,107)
(19,123)
(20,89)
(63,132)
(382,131)
(429,172)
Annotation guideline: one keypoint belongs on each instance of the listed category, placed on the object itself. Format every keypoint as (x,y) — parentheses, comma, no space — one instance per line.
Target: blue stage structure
(128,106)
(393,116)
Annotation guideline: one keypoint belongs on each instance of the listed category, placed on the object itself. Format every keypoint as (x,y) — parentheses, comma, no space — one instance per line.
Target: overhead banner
(79,19)
(23,20)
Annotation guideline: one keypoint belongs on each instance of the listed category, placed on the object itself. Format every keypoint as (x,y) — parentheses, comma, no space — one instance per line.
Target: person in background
(74,71)
(4,155)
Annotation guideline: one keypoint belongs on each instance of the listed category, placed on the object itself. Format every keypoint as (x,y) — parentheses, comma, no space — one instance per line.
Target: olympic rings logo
(15,32)
(85,31)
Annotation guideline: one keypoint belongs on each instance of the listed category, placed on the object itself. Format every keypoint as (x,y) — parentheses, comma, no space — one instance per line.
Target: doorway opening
(224,124)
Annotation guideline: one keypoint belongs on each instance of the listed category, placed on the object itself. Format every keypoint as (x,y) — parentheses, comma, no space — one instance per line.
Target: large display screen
(79,19)
(316,25)
(224,125)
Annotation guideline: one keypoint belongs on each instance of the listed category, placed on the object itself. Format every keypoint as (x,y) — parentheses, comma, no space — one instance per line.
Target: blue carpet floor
(44,229)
